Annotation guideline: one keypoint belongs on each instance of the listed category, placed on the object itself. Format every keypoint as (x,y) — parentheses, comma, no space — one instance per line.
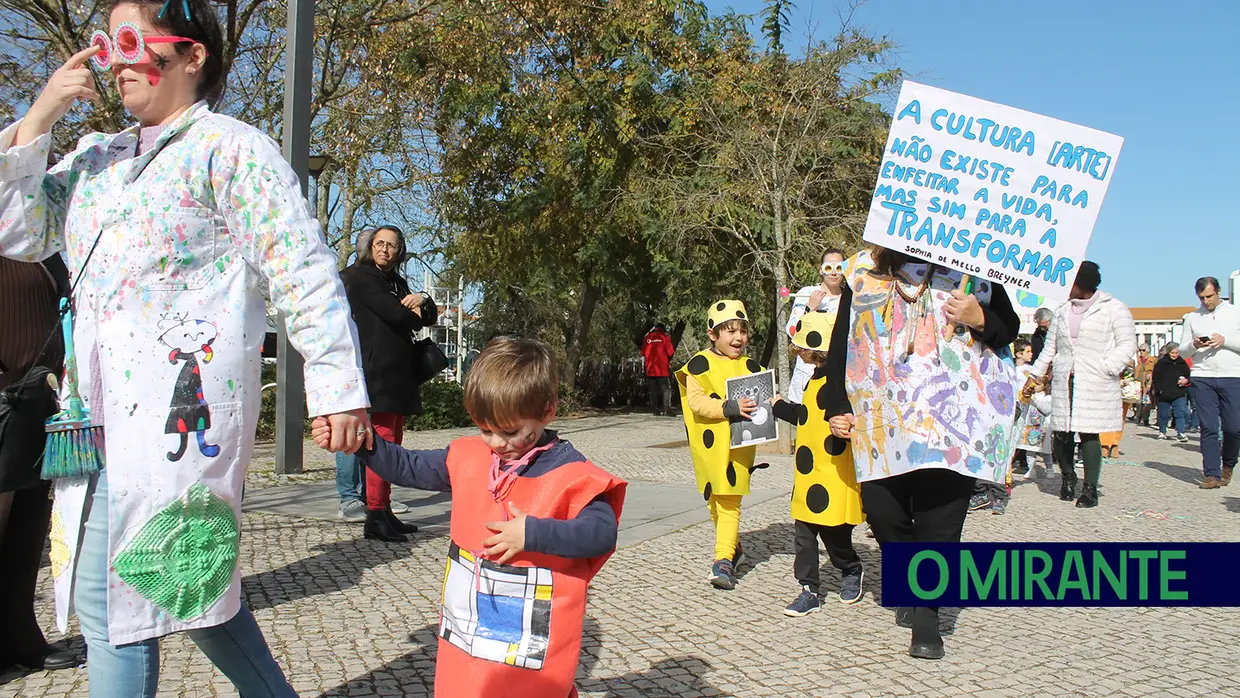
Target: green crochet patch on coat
(183,558)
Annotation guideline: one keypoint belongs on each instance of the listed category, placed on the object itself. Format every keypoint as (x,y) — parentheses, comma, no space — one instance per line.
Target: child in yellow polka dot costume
(722,472)
(826,501)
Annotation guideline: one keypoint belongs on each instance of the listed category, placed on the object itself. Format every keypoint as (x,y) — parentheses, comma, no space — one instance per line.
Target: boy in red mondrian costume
(532,522)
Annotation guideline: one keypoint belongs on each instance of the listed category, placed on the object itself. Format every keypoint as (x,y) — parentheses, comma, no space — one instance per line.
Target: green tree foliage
(775,24)
(776,161)
(592,167)
(537,157)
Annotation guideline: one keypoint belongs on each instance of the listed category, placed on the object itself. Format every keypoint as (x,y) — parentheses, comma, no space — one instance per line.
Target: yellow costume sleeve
(700,403)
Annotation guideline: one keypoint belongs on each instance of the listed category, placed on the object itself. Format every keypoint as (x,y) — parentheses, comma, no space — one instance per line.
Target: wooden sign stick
(966,285)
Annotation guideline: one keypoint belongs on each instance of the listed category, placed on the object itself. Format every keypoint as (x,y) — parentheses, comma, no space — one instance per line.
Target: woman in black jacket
(1170,388)
(387,314)
(29,297)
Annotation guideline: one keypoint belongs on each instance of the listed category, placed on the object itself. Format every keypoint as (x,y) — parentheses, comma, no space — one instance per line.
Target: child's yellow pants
(725,511)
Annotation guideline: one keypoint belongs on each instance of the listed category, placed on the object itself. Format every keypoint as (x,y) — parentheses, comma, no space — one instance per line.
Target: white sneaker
(352,511)
(399,508)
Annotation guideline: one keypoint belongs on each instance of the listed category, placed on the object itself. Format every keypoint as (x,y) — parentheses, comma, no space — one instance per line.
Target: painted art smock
(719,468)
(950,403)
(169,325)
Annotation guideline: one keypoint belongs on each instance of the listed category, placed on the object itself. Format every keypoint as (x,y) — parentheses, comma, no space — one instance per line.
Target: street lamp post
(316,165)
(298,72)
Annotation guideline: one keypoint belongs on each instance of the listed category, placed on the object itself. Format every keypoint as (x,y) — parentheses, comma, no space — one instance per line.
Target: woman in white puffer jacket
(1090,343)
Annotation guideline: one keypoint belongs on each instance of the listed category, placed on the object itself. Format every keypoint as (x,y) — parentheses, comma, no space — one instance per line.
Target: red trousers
(390,427)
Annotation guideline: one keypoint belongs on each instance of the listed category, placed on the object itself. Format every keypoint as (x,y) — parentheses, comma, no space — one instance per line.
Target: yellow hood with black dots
(725,310)
(813,330)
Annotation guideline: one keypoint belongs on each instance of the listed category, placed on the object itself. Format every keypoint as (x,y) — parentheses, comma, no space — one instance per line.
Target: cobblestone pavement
(350,617)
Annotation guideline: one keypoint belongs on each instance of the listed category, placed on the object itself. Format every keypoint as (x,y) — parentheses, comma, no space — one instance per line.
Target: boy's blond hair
(513,378)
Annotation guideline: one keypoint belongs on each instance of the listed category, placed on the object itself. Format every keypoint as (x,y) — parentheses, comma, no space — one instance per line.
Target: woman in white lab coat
(186,218)
(824,297)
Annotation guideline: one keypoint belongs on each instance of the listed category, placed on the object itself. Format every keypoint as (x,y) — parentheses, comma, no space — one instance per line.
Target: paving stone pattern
(350,617)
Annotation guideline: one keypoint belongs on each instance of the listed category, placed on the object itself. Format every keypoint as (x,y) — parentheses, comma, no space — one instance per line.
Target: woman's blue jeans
(237,647)
(1180,407)
(350,478)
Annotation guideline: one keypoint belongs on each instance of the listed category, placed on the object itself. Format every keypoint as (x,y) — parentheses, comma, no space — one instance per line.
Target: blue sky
(1164,75)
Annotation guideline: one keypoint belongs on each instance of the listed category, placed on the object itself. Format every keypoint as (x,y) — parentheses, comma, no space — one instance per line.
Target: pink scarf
(504,473)
(1076,314)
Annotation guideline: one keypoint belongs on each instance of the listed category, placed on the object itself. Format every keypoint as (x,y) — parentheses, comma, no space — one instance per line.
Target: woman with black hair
(387,314)
(174,230)
(919,377)
(1090,343)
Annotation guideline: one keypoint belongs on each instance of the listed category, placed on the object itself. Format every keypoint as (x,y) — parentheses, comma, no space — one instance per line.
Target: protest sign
(1026,305)
(990,190)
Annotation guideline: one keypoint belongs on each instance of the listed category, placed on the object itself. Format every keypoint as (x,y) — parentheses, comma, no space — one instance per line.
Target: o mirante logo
(1060,574)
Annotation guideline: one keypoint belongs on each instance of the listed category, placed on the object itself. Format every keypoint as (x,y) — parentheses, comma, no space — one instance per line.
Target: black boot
(1067,489)
(927,642)
(1089,496)
(399,525)
(50,659)
(379,528)
(904,617)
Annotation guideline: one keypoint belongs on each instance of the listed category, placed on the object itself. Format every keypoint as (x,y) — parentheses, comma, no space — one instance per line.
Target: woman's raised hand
(71,82)
(964,310)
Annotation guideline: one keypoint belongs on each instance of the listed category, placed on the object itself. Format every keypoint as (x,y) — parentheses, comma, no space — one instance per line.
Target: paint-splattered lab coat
(190,233)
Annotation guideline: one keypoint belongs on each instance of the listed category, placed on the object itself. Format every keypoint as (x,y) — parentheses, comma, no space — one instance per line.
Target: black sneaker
(721,575)
(850,589)
(804,604)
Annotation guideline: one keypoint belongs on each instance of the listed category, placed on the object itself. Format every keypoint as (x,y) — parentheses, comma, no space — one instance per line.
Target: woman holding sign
(920,381)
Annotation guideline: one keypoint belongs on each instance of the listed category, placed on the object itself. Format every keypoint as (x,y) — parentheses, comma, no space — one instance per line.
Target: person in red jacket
(657,350)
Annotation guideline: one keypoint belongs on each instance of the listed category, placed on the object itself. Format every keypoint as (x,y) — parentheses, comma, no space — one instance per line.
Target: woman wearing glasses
(386,314)
(173,230)
(825,297)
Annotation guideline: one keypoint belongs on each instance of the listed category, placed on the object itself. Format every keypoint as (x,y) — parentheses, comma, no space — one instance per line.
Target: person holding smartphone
(1211,340)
